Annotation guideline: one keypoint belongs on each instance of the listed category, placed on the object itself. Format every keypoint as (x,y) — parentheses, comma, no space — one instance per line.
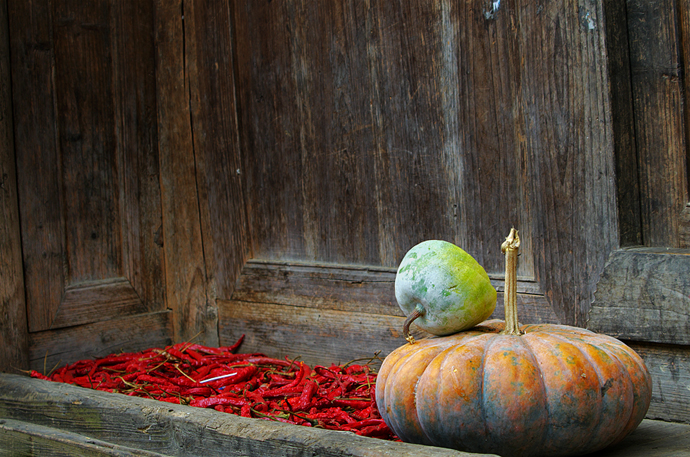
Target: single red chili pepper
(352,403)
(213,401)
(234,346)
(303,402)
(36,374)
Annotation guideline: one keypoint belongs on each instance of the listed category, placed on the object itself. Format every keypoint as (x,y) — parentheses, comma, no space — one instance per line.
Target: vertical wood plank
(657,78)
(623,123)
(185,272)
(134,91)
(36,143)
(86,139)
(372,126)
(210,63)
(14,340)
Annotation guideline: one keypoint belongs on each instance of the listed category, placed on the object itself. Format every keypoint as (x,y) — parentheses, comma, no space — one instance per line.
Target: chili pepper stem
(418,312)
(510,248)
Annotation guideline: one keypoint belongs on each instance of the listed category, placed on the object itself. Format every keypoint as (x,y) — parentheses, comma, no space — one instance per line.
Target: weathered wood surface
(173,430)
(658,50)
(185,274)
(208,35)
(87,160)
(644,295)
(623,123)
(14,341)
(374,126)
(26,439)
(129,333)
(670,370)
(320,311)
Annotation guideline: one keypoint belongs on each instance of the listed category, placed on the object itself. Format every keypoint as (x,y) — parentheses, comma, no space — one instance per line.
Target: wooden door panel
(87,161)
(374,126)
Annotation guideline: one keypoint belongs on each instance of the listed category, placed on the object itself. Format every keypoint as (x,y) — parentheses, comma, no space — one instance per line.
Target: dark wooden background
(179,169)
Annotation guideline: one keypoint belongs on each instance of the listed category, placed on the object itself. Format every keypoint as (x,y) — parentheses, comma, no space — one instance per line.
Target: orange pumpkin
(534,390)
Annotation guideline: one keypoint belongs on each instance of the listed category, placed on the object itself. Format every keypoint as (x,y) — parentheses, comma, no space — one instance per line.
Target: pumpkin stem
(510,249)
(418,312)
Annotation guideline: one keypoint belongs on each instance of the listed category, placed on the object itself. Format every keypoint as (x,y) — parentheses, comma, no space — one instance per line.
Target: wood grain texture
(374,126)
(36,143)
(86,156)
(316,336)
(355,289)
(668,366)
(623,123)
(185,269)
(656,59)
(644,295)
(129,333)
(23,438)
(154,426)
(14,341)
(210,65)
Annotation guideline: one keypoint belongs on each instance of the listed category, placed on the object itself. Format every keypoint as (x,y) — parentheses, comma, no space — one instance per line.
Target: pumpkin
(532,390)
(443,289)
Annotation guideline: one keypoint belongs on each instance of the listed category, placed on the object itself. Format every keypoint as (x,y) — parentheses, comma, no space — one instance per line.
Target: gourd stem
(418,312)
(510,248)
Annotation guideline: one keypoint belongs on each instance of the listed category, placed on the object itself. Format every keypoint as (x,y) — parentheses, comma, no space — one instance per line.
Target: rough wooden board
(181,430)
(623,123)
(209,50)
(26,439)
(356,289)
(317,336)
(670,370)
(185,270)
(657,69)
(129,333)
(429,146)
(14,341)
(644,295)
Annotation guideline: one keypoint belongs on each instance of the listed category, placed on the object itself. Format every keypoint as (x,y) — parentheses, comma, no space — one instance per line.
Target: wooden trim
(14,341)
(644,295)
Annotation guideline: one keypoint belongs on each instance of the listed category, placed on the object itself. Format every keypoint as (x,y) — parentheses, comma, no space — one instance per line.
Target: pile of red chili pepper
(338,397)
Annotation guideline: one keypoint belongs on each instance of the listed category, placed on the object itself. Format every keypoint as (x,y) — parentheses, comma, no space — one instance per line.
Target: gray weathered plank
(669,367)
(27,439)
(182,430)
(185,270)
(644,295)
(14,341)
(317,336)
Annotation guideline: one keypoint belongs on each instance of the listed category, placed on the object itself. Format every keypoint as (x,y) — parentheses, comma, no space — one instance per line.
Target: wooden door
(85,117)
(368,127)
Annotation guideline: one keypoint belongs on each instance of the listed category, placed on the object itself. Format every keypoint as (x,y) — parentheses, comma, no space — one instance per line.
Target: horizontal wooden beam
(170,429)
(644,295)
(130,333)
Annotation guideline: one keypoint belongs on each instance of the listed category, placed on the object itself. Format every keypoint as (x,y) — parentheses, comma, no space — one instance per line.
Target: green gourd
(442,289)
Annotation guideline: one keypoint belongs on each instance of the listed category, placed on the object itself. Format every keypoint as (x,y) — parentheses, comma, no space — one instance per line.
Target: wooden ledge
(81,417)
(41,416)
